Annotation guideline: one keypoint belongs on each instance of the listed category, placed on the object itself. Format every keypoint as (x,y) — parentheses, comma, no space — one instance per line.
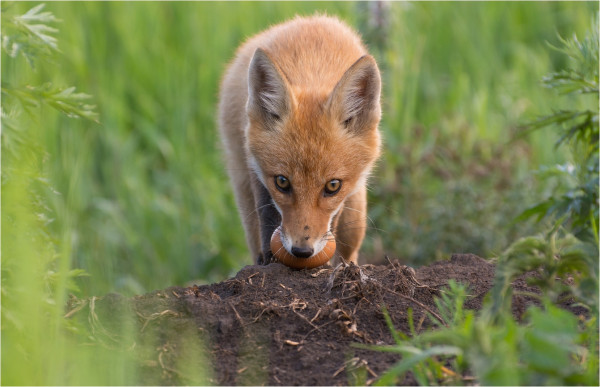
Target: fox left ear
(355,99)
(268,91)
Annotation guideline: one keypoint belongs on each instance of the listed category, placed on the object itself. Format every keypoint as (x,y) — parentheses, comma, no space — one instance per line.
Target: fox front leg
(268,218)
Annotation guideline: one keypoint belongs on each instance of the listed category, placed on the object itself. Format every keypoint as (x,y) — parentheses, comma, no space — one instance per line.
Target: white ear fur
(268,95)
(355,99)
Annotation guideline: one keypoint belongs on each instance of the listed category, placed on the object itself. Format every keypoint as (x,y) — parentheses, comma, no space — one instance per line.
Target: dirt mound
(278,326)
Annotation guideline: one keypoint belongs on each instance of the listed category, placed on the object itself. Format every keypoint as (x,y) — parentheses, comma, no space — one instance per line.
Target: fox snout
(303,245)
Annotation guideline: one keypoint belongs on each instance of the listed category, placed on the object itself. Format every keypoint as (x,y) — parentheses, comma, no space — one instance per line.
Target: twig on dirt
(363,277)
(304,318)
(270,307)
(354,364)
(370,371)
(389,260)
(315,275)
(317,329)
(297,304)
(214,295)
(257,317)
(292,343)
(356,306)
(331,279)
(350,277)
(154,316)
(241,321)
(437,316)
(250,277)
(336,373)
(412,276)
(316,315)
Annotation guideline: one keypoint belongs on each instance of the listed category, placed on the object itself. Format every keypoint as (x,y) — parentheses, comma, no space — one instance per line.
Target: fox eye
(282,183)
(332,187)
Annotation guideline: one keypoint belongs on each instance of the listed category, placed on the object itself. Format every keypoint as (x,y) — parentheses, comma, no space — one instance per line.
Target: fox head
(311,147)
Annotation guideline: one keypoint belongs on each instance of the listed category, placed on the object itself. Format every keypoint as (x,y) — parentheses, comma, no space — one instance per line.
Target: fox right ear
(355,99)
(268,95)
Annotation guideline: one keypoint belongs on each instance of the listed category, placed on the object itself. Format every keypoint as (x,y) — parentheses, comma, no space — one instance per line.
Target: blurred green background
(141,200)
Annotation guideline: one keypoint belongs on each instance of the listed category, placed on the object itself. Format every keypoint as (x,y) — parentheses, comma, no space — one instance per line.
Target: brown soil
(278,326)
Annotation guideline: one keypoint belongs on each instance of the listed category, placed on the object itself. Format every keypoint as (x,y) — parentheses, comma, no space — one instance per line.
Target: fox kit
(298,115)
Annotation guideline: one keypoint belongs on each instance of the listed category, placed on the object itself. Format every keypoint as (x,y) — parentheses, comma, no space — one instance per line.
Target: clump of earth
(273,325)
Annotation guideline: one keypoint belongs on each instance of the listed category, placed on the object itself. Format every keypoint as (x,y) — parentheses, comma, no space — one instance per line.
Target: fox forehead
(309,147)
(311,156)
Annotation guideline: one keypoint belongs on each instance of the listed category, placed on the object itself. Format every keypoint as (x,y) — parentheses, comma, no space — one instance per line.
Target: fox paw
(266,258)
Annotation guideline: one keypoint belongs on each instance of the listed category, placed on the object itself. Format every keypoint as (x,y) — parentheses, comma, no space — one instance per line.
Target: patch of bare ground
(278,326)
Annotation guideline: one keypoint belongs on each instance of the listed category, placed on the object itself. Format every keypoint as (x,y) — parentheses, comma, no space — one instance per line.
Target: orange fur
(301,100)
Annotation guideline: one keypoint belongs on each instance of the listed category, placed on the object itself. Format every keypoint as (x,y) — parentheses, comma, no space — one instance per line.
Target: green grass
(141,200)
(146,191)
(547,345)
(461,80)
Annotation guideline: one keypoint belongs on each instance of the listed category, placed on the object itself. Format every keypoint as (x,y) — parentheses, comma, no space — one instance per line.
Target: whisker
(341,227)
(347,223)
(360,212)
(361,228)
(278,250)
(256,210)
(370,237)
(342,243)
(353,209)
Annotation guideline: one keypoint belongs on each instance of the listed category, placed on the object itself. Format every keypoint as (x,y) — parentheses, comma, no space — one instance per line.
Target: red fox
(298,116)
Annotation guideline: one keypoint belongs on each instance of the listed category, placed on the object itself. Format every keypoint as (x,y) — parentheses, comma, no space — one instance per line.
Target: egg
(288,259)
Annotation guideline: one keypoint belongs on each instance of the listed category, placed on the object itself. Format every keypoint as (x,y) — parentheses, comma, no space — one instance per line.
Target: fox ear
(355,99)
(268,92)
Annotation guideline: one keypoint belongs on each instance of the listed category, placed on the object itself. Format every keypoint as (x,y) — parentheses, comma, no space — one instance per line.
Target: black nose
(302,252)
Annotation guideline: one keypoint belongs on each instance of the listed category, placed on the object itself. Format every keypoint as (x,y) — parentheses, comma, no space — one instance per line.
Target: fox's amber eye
(332,187)
(282,183)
